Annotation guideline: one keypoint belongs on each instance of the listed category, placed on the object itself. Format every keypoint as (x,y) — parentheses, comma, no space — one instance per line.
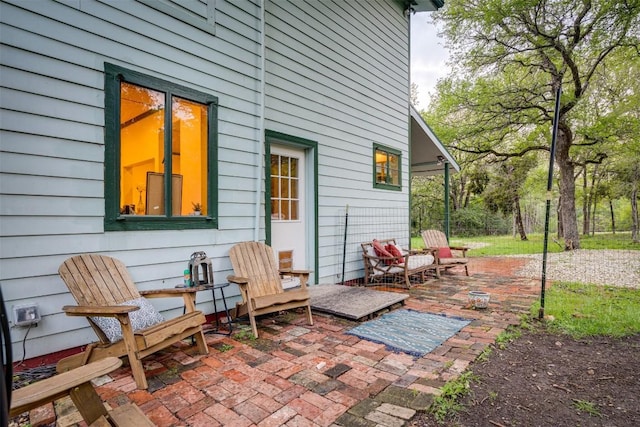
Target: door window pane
(284,188)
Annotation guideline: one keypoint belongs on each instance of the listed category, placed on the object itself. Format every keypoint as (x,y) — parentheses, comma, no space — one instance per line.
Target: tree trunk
(560,234)
(463,185)
(613,217)
(567,188)
(593,216)
(593,198)
(519,224)
(586,208)
(635,234)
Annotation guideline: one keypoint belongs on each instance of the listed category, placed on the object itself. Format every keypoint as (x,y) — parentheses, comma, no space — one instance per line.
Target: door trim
(311,154)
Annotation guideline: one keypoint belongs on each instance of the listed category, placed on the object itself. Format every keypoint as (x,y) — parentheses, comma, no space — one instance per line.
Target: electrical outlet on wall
(26,314)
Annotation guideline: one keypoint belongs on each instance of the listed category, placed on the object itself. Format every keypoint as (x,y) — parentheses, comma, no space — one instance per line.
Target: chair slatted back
(97,280)
(256,262)
(434,239)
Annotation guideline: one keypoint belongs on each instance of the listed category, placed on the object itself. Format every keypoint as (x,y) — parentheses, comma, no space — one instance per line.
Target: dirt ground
(544,379)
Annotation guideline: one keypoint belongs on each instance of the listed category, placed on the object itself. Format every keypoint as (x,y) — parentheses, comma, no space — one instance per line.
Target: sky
(428,57)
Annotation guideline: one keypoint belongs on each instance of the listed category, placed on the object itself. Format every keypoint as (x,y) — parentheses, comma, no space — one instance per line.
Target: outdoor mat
(409,331)
(352,302)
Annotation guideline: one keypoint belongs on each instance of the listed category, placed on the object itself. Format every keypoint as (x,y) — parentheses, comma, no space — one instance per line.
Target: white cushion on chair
(372,253)
(417,261)
(289,282)
(146,317)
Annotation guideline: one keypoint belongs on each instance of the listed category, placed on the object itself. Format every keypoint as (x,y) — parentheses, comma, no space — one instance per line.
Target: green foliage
(507,184)
(591,310)
(244,335)
(224,347)
(507,337)
(508,245)
(498,104)
(586,407)
(471,220)
(447,403)
(484,356)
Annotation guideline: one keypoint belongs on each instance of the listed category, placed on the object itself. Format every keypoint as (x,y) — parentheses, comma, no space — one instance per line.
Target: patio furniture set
(126,324)
(386,263)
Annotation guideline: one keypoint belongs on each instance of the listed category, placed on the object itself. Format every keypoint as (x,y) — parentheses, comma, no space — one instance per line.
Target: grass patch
(222,348)
(484,356)
(507,337)
(447,404)
(586,407)
(509,245)
(589,310)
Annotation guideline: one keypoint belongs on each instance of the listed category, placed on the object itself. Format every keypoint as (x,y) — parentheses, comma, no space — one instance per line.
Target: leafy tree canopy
(511,56)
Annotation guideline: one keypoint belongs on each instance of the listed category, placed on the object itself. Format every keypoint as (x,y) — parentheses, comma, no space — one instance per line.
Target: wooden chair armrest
(237,279)
(463,249)
(103,311)
(50,389)
(299,272)
(375,257)
(171,292)
(422,251)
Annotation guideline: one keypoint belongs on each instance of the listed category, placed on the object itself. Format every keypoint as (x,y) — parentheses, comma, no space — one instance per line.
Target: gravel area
(602,267)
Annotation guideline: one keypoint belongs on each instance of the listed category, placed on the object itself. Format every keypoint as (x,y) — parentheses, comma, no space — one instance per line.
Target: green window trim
(113,220)
(384,172)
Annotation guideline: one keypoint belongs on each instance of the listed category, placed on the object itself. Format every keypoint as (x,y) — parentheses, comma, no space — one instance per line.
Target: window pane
(275,209)
(294,189)
(394,169)
(141,149)
(381,166)
(294,210)
(275,163)
(189,156)
(284,212)
(284,167)
(284,188)
(294,167)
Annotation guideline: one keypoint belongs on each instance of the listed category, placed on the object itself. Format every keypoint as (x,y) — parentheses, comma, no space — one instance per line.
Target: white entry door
(288,207)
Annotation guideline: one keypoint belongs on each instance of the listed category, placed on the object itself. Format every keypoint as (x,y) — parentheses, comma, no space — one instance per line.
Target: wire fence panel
(364,225)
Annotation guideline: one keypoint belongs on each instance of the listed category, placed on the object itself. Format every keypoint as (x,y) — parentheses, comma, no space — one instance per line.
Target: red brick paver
(299,375)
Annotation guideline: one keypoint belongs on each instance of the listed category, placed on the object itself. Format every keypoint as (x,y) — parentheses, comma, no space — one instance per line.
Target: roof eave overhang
(425,5)
(428,154)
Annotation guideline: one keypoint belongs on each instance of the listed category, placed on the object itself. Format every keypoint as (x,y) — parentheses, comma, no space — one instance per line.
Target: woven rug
(409,331)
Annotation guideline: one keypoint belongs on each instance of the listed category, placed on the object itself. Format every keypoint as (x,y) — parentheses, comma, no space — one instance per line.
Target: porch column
(446,199)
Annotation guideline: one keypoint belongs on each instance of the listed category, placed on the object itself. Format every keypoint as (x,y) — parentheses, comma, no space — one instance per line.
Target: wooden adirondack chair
(257,275)
(436,241)
(76,383)
(100,285)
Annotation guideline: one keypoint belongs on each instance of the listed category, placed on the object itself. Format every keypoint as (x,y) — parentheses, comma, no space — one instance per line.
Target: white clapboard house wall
(329,79)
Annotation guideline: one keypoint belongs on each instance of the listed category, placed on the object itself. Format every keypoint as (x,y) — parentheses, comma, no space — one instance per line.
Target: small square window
(160,165)
(386,168)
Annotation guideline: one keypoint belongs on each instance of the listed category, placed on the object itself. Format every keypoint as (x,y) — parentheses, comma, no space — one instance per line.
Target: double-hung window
(160,154)
(386,168)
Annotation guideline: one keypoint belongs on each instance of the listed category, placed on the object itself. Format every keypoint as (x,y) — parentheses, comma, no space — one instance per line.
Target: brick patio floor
(299,375)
